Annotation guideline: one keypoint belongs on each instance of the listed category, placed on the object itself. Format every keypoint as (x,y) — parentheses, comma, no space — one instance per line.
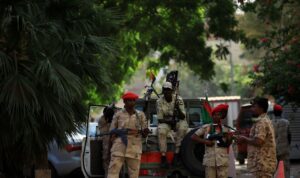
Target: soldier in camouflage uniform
(165,109)
(261,142)
(127,118)
(283,139)
(217,139)
(104,125)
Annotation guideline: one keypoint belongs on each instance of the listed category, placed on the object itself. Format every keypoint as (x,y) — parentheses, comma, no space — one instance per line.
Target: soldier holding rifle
(129,150)
(170,115)
(217,139)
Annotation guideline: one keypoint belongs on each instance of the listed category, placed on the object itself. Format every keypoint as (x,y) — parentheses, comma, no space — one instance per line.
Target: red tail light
(71,147)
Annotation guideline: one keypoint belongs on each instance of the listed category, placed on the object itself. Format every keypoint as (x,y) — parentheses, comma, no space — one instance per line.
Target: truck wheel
(176,174)
(192,155)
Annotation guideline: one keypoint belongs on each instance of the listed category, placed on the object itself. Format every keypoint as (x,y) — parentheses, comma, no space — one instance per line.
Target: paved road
(241,170)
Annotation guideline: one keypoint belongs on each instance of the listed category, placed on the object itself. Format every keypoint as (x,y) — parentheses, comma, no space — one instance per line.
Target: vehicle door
(91,156)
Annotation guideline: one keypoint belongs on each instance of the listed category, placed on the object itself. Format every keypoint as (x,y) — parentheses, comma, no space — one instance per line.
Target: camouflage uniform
(132,153)
(281,128)
(262,160)
(216,159)
(104,127)
(166,109)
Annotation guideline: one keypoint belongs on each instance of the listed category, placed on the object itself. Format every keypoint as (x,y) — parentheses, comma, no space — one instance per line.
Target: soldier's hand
(241,139)
(209,143)
(145,132)
(113,137)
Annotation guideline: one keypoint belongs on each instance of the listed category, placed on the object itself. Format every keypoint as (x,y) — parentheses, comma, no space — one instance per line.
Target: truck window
(153,120)
(194,117)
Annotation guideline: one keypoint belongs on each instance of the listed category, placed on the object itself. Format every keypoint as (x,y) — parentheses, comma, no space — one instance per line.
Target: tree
(51,52)
(278,71)
(177,29)
(54,54)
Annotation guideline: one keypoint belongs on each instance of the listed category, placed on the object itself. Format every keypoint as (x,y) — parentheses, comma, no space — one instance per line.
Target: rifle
(219,137)
(123,133)
(173,78)
(150,89)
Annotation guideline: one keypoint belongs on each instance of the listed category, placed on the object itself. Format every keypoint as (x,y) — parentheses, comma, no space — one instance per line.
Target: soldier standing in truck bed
(165,112)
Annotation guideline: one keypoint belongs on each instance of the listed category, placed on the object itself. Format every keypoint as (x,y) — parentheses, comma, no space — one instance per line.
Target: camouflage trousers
(260,174)
(116,163)
(164,130)
(216,172)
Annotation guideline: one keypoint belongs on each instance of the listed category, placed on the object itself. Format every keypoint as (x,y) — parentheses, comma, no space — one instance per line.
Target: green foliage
(51,52)
(58,55)
(222,20)
(278,71)
(176,29)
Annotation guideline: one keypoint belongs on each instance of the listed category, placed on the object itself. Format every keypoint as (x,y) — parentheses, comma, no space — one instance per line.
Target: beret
(220,108)
(130,96)
(277,107)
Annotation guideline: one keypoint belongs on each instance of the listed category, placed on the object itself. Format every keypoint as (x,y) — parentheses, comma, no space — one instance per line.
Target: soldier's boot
(164,162)
(176,160)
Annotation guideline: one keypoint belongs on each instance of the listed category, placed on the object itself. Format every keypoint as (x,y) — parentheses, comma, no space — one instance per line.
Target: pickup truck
(191,152)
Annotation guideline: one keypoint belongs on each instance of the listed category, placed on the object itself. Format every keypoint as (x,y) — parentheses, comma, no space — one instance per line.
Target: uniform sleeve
(181,105)
(201,131)
(160,114)
(114,122)
(260,131)
(144,120)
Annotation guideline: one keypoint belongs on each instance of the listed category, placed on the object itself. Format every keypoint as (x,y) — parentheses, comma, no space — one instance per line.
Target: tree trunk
(41,167)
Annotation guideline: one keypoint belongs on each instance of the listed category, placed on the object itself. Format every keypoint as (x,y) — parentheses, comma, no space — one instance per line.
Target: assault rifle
(123,133)
(150,88)
(172,77)
(219,137)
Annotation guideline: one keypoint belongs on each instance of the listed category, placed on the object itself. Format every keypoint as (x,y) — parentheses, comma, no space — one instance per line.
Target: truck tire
(192,155)
(176,174)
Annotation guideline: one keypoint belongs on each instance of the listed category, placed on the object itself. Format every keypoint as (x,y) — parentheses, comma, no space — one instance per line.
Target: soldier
(261,141)
(104,125)
(165,111)
(127,118)
(217,140)
(283,138)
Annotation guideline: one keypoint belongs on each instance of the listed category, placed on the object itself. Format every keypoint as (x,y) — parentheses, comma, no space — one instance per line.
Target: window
(194,117)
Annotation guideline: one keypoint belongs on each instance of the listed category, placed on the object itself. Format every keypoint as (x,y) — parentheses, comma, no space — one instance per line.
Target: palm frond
(7,65)
(18,93)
